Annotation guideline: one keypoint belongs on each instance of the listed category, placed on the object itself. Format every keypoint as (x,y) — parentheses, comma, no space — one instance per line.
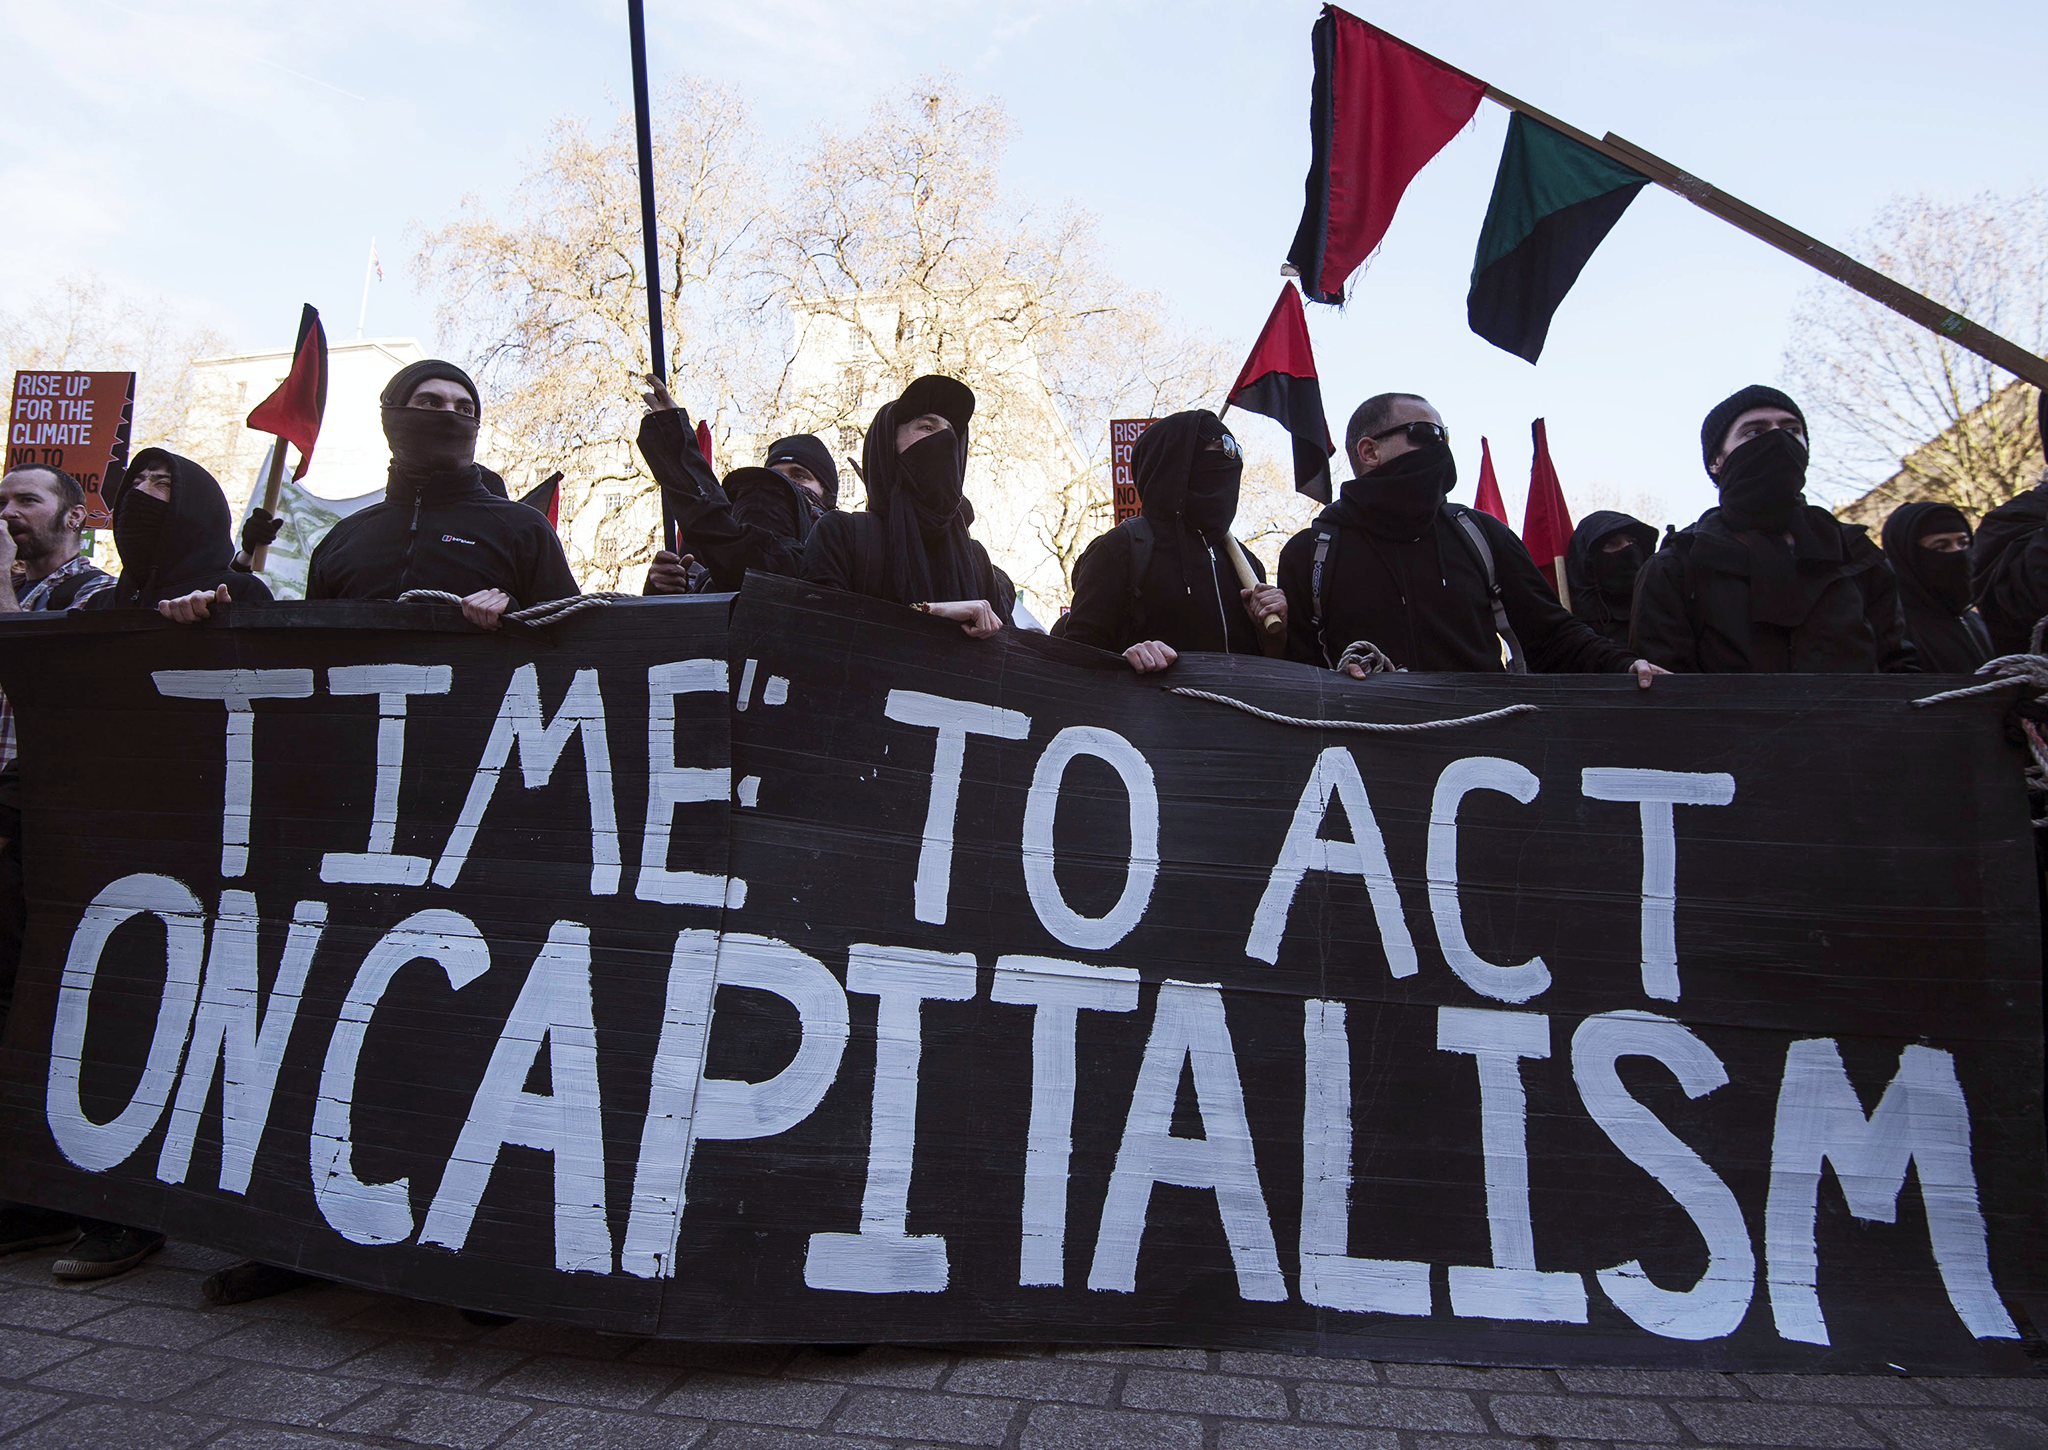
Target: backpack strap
(1326,538)
(66,589)
(1475,538)
(1139,531)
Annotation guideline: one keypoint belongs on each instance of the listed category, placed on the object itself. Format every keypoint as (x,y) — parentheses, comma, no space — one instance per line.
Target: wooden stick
(1271,623)
(1795,243)
(1564,586)
(271,485)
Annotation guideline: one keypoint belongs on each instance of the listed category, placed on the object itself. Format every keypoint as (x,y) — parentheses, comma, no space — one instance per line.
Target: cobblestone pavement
(139,1362)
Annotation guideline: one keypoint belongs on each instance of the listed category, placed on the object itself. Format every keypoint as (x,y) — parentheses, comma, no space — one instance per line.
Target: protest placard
(76,421)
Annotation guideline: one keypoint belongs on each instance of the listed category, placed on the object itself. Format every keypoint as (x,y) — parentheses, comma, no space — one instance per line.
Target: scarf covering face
(1614,571)
(1927,576)
(426,441)
(1184,488)
(1399,500)
(918,503)
(1725,412)
(167,545)
(767,500)
(1763,482)
(808,450)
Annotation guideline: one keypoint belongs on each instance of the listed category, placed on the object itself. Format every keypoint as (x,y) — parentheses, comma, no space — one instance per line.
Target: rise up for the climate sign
(797,968)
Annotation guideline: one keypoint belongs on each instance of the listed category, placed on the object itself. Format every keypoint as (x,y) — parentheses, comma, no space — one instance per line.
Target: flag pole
(272,483)
(636,23)
(369,266)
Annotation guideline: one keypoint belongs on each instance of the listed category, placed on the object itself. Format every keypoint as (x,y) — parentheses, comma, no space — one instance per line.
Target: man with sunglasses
(1430,585)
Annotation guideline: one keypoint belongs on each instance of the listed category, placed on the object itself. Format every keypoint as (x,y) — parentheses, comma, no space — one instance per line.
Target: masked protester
(760,518)
(2009,563)
(1767,583)
(1430,584)
(1927,545)
(1163,582)
(175,535)
(911,546)
(1600,566)
(445,522)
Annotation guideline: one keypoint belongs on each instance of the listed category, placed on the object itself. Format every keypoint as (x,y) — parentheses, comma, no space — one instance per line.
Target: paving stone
(415,1317)
(910,1415)
(762,1359)
(434,1417)
(795,1403)
(425,1362)
(1462,1377)
(579,1382)
(1300,1367)
(270,1437)
(22,1407)
(1515,1442)
(300,1345)
(1034,1379)
(96,1427)
(534,1336)
(1562,1416)
(896,1366)
(1692,1383)
(1811,1427)
(1137,1354)
(120,1373)
(178,1288)
(1855,1389)
(318,1301)
(180,1255)
(34,1307)
(156,1326)
(1390,1409)
(2005,1394)
(1960,1429)
(283,1396)
(1068,1427)
(571,1428)
(1304,1437)
(1205,1394)
(23,1352)
(753,1437)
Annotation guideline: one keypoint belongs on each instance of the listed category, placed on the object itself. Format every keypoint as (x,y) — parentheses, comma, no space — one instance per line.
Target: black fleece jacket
(449,531)
(192,552)
(727,536)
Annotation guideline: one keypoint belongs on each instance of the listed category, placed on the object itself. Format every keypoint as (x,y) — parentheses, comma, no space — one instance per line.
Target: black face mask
(1399,499)
(1763,482)
(931,477)
(139,525)
(430,440)
(1946,576)
(1615,574)
(1211,499)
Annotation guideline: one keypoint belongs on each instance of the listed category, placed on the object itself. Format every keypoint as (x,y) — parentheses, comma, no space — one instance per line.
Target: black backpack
(1482,554)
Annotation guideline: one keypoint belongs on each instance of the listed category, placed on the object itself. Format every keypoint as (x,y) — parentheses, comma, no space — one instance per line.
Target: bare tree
(1895,402)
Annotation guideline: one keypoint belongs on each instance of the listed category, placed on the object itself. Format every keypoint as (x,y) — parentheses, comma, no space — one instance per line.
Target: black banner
(811,972)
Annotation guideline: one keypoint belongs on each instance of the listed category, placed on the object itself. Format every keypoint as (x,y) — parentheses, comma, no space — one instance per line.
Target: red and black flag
(1279,381)
(1379,110)
(1489,500)
(294,410)
(546,496)
(1554,201)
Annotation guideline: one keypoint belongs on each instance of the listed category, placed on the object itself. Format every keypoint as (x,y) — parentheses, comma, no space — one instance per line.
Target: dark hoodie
(2009,569)
(911,545)
(1603,585)
(443,524)
(171,549)
(758,520)
(1934,589)
(1189,598)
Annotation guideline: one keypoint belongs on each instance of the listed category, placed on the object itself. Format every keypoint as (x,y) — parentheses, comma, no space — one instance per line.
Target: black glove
(259,530)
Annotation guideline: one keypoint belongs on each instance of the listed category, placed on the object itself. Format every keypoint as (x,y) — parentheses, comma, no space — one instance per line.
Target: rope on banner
(1371,727)
(552,611)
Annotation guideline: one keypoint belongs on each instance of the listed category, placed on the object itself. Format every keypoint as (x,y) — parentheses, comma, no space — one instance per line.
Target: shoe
(24,1226)
(106,1249)
(243,1283)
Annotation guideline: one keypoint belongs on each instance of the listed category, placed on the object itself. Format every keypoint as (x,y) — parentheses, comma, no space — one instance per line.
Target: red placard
(1123,434)
(74,421)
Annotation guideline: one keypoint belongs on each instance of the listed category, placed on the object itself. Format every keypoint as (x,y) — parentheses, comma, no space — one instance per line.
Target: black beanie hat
(398,392)
(808,450)
(950,398)
(1725,412)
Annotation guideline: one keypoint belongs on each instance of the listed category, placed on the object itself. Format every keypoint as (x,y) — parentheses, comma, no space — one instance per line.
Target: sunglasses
(1420,432)
(1228,447)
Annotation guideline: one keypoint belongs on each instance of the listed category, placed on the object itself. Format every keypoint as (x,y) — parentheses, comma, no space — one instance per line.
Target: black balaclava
(764,498)
(1940,580)
(1763,483)
(170,548)
(1186,487)
(1400,498)
(916,497)
(1725,412)
(426,441)
(809,450)
(1613,572)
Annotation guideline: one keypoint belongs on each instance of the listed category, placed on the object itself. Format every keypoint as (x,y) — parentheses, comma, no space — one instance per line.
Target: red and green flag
(1554,201)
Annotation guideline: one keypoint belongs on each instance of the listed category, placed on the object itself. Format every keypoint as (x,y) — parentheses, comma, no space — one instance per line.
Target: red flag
(1489,500)
(1279,381)
(1378,111)
(294,411)
(704,443)
(546,496)
(1546,522)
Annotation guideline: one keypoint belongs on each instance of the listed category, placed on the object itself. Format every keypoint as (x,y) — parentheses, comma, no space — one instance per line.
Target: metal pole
(636,22)
(369,269)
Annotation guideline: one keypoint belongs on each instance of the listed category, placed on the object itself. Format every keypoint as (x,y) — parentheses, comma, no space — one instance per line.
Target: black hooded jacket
(1694,601)
(1605,609)
(728,530)
(191,551)
(1189,597)
(1945,641)
(1424,600)
(2009,569)
(450,531)
(856,551)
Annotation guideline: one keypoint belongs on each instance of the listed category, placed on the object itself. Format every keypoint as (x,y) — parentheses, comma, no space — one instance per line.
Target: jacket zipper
(1221,618)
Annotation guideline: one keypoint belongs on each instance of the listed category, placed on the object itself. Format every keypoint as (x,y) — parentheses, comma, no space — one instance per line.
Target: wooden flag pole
(271,485)
(1564,587)
(1271,623)
(1795,243)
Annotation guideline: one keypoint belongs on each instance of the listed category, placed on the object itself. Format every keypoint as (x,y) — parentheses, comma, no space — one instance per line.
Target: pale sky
(236,159)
